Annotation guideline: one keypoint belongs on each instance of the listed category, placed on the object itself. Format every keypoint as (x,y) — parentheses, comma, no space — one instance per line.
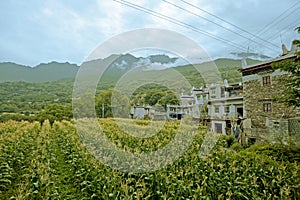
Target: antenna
(244,60)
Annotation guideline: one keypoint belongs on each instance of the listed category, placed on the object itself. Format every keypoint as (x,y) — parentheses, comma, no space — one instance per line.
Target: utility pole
(102,110)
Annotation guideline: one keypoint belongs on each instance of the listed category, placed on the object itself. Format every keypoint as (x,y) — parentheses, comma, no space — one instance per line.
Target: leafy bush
(236,146)
(278,152)
(226,141)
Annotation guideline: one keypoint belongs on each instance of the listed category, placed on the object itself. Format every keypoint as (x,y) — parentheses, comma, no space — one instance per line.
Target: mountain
(118,65)
(41,73)
(53,71)
(182,78)
(228,69)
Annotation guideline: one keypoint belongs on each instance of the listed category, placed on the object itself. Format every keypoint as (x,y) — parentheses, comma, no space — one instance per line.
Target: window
(266,80)
(267,107)
(213,93)
(222,92)
(218,127)
(217,109)
(227,109)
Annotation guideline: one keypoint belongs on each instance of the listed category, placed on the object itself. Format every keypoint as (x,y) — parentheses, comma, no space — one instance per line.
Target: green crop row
(53,162)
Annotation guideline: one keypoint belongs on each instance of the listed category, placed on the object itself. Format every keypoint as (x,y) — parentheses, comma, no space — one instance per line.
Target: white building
(225,104)
(191,105)
(219,104)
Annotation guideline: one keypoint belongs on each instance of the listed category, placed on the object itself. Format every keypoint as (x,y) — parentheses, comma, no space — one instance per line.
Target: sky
(35,31)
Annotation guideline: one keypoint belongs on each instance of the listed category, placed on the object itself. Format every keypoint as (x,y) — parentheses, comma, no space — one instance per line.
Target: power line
(288,27)
(272,36)
(178,22)
(265,29)
(223,20)
(277,20)
(287,16)
(218,24)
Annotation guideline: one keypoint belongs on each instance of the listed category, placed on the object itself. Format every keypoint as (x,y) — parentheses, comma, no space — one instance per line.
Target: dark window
(266,80)
(218,127)
(222,92)
(267,107)
(227,109)
(213,93)
(217,109)
(240,111)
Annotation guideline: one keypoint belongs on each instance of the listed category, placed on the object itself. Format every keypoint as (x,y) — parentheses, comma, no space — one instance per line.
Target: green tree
(55,112)
(152,97)
(112,103)
(291,94)
(170,98)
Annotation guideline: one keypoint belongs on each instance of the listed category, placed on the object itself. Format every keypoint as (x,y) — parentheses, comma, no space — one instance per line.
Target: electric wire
(290,26)
(272,36)
(180,23)
(219,25)
(223,20)
(283,19)
(273,22)
(277,20)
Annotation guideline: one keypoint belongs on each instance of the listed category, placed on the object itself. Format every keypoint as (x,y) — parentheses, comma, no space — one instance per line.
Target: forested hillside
(27,97)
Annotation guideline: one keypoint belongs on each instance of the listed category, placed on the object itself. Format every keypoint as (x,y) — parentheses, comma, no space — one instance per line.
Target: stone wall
(256,94)
(294,126)
(279,130)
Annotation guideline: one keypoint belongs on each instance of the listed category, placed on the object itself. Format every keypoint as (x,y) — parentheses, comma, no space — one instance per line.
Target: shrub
(236,146)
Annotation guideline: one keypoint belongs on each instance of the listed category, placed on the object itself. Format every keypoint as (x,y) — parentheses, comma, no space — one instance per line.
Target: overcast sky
(35,31)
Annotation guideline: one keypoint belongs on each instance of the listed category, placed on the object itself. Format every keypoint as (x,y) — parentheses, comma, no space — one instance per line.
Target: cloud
(112,19)
(250,55)
(47,12)
(55,30)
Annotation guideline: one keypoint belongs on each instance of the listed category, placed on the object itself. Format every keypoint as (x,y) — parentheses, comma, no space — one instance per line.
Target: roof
(268,63)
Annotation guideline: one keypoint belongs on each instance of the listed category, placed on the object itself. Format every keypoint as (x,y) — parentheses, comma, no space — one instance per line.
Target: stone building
(261,86)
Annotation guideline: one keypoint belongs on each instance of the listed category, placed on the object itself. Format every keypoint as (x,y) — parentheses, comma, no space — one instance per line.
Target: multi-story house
(218,104)
(191,105)
(261,87)
(225,105)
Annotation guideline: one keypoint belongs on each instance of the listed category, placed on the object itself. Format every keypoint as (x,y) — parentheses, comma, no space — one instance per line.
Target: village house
(191,105)
(262,85)
(225,106)
(251,101)
(218,104)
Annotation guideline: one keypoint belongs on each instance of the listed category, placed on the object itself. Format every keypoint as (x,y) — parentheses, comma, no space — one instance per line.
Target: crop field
(50,162)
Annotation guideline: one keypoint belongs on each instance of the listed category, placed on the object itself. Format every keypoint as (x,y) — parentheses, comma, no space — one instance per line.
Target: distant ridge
(54,71)
(45,72)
